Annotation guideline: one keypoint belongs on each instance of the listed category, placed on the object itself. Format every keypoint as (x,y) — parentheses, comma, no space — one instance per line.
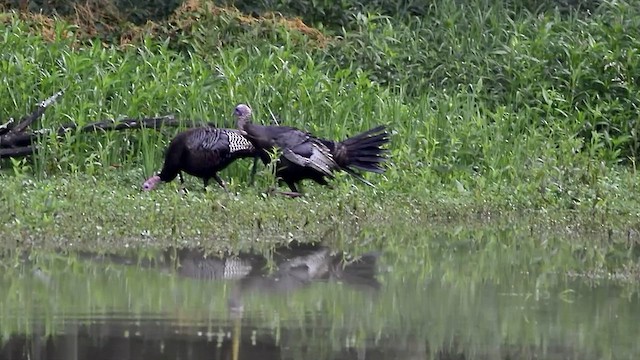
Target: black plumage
(305,156)
(203,152)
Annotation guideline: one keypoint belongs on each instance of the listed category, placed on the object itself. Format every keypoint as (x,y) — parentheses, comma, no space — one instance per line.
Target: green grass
(493,107)
(475,89)
(106,212)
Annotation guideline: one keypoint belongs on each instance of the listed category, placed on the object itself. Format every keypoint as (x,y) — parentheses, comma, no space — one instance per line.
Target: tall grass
(475,93)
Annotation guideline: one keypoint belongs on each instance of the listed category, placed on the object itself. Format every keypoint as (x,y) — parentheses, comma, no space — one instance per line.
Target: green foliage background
(537,97)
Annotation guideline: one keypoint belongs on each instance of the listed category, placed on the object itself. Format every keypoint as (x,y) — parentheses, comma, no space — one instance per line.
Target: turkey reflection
(290,268)
(188,327)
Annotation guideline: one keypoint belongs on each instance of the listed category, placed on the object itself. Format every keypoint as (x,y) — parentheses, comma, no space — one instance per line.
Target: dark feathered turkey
(203,152)
(305,156)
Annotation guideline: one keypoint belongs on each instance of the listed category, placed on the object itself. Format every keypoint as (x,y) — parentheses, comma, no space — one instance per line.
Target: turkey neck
(258,134)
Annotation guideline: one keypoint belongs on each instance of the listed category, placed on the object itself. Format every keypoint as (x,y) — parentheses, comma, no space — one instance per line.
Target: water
(477,294)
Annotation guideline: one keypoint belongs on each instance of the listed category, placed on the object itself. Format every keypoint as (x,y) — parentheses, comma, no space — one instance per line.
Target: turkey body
(203,152)
(363,151)
(305,156)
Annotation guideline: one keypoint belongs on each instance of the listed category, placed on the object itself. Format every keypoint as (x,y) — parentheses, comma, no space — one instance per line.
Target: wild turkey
(305,156)
(202,152)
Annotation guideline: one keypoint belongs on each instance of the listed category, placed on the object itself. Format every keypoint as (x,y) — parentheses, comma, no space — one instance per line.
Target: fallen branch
(24,138)
(21,144)
(123,124)
(4,128)
(17,152)
(16,141)
(42,106)
(12,127)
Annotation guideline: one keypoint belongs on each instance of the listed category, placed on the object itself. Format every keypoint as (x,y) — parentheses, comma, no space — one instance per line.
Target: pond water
(480,294)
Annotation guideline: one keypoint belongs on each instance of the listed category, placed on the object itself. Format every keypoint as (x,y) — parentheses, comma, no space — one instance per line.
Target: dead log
(16,141)
(23,143)
(12,140)
(24,138)
(12,127)
(17,152)
(4,128)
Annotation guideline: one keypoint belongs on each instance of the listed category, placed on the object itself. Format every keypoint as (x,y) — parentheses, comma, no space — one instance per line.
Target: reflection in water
(119,336)
(308,301)
(287,269)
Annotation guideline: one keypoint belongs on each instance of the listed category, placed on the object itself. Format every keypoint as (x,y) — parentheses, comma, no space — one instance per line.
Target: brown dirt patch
(106,23)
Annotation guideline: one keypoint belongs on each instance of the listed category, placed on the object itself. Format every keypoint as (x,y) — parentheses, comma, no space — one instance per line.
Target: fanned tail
(363,151)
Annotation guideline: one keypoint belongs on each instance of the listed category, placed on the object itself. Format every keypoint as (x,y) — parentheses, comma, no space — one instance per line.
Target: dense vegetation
(522,104)
(512,163)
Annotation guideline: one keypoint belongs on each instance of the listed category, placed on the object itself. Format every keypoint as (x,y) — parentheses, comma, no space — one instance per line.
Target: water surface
(482,294)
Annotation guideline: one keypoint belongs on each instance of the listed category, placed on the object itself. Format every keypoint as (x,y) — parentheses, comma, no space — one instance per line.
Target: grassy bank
(111,210)
(110,214)
(494,109)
